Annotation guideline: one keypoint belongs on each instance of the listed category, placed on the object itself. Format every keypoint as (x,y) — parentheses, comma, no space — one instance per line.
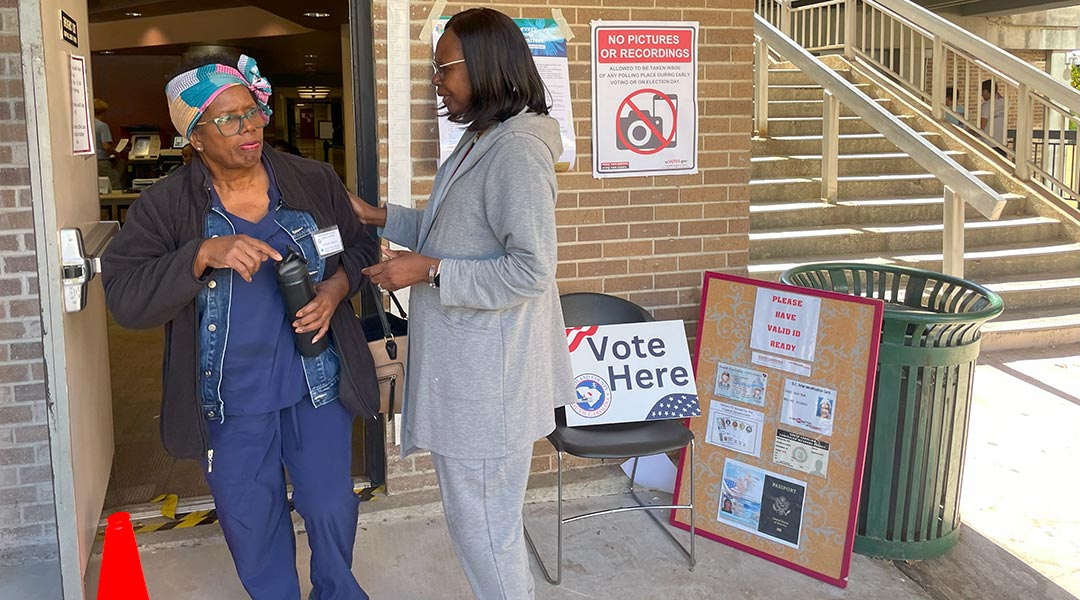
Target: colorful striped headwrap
(192,92)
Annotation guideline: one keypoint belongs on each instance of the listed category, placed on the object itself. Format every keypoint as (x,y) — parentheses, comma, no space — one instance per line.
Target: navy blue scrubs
(271,425)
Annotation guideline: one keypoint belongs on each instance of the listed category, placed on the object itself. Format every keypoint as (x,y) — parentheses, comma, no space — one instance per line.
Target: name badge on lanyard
(328,241)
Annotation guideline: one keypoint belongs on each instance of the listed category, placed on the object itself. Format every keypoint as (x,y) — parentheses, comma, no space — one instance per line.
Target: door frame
(46,226)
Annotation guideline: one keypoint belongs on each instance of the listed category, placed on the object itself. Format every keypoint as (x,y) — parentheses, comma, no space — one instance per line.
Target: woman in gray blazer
(488,361)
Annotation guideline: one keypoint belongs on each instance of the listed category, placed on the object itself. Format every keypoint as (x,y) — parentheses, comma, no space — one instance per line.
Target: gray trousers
(482,500)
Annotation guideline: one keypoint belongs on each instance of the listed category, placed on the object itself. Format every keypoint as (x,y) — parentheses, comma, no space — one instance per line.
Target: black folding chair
(617,441)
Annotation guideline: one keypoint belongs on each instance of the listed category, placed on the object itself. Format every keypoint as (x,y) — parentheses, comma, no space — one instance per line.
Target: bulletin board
(785,380)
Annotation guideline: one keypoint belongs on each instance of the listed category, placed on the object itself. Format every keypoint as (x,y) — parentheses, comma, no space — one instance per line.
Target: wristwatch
(433,274)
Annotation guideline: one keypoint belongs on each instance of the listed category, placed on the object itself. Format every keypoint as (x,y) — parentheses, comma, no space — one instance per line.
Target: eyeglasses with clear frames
(440,70)
(230,125)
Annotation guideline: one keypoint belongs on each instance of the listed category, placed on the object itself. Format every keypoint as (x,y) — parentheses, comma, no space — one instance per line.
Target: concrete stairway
(890,212)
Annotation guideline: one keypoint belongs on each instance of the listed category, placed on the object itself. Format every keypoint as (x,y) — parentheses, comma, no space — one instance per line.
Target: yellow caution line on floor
(168,508)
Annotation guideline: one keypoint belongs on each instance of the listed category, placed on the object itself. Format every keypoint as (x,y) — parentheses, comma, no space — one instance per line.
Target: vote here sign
(631,372)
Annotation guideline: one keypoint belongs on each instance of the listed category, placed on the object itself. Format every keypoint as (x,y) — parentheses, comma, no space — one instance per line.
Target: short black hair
(988,85)
(502,73)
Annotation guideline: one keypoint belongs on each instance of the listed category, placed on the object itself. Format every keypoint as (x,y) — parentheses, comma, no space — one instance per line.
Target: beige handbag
(387,336)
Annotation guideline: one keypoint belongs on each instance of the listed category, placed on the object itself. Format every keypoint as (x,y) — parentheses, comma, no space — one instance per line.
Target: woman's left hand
(403,269)
(315,315)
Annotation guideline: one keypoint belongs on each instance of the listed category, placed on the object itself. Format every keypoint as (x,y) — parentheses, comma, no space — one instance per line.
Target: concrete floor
(622,556)
(1021,538)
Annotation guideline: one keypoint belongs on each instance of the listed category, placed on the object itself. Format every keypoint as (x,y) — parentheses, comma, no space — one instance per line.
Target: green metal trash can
(910,503)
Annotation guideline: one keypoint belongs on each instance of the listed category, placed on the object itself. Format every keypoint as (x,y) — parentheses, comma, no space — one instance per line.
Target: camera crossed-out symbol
(642,131)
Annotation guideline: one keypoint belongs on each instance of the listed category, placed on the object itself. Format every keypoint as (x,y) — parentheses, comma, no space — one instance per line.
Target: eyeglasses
(230,125)
(440,70)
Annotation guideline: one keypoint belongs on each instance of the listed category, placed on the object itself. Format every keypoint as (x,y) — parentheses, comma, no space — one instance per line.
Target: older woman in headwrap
(238,394)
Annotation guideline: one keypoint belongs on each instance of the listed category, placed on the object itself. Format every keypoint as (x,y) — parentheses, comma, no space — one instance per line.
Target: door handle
(80,259)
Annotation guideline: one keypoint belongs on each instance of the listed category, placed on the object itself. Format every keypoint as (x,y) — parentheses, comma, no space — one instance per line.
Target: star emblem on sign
(675,406)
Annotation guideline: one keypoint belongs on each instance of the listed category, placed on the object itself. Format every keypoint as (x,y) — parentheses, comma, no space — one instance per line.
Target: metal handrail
(1002,61)
(954,176)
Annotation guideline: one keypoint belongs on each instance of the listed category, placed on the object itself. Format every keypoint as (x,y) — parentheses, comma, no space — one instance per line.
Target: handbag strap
(401,310)
(391,345)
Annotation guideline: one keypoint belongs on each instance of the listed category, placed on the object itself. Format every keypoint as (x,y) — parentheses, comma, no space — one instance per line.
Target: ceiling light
(313,92)
(106,52)
(311,56)
(133,14)
(317,15)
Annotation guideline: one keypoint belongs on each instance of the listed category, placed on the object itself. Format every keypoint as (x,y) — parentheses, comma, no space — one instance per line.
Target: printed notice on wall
(761,502)
(735,428)
(785,323)
(808,406)
(644,98)
(548,46)
(82,130)
(801,453)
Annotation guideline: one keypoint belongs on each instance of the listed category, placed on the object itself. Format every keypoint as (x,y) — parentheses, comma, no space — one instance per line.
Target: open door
(64,188)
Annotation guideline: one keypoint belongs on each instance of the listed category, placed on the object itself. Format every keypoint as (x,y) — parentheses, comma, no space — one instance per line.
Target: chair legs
(532,547)
(641,505)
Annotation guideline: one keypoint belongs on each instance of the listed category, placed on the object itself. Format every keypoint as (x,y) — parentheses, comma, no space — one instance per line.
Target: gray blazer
(488,360)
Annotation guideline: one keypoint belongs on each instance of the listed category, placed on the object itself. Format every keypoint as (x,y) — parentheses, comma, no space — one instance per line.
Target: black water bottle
(297,291)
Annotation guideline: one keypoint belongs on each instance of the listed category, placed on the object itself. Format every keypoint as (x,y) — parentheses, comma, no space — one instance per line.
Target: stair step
(849,143)
(864,163)
(812,125)
(1036,290)
(804,91)
(895,218)
(985,261)
(894,237)
(1032,327)
(794,76)
(775,215)
(811,108)
(851,186)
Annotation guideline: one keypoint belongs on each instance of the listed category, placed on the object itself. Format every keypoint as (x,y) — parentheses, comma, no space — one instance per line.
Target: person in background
(185,155)
(104,145)
(950,102)
(237,392)
(992,115)
(488,361)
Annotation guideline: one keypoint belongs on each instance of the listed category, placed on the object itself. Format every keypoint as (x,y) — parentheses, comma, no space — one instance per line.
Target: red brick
(579,251)
(632,283)
(603,232)
(31,433)
(654,230)
(634,248)
(602,268)
(704,227)
(566,270)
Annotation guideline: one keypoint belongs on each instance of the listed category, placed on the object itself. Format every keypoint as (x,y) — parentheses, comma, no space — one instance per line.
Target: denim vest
(215,303)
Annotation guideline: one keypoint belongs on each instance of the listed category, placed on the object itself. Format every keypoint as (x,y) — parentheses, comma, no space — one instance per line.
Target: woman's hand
(240,253)
(315,315)
(368,214)
(403,269)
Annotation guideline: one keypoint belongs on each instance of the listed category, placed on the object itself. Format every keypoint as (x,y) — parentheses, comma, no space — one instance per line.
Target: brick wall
(647,239)
(27,516)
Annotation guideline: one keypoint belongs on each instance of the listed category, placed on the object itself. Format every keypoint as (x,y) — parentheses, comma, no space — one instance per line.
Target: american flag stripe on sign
(576,335)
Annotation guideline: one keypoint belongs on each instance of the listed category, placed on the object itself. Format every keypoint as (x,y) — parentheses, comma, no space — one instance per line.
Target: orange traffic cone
(121,572)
